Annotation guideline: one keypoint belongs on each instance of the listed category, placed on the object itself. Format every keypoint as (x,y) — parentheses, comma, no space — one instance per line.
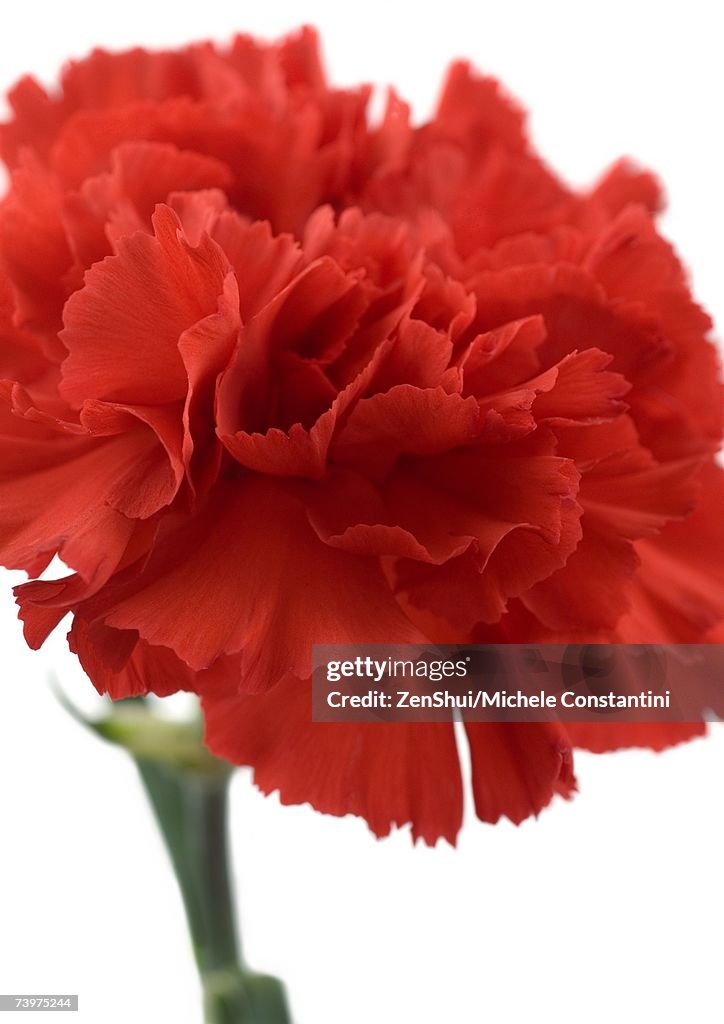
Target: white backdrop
(610,907)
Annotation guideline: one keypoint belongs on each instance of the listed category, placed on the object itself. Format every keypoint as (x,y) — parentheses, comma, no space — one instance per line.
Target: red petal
(584,390)
(476,111)
(145,173)
(64,506)
(267,599)
(35,122)
(152,482)
(142,174)
(625,495)
(318,310)
(518,768)
(576,315)
(625,183)
(602,568)
(419,356)
(503,357)
(35,252)
(44,603)
(141,488)
(22,353)
(348,512)
(679,593)
(518,506)
(206,349)
(121,665)
(602,737)
(507,195)
(682,398)
(409,420)
(264,264)
(388,773)
(139,303)
(105,79)
(297,451)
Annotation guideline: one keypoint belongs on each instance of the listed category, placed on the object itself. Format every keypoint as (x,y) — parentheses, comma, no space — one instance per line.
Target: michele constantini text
(516,699)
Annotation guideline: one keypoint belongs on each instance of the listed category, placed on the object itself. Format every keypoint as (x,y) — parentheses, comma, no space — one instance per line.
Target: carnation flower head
(275,374)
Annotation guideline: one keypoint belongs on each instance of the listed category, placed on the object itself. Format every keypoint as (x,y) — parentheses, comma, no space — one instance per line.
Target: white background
(610,907)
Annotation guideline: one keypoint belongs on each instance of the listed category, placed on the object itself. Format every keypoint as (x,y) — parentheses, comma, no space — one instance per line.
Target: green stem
(190,806)
(188,790)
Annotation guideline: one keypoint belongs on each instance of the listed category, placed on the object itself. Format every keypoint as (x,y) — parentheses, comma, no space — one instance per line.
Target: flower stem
(190,805)
(188,790)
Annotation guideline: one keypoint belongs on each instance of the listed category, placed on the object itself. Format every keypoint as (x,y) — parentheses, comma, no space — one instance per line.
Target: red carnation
(277,375)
